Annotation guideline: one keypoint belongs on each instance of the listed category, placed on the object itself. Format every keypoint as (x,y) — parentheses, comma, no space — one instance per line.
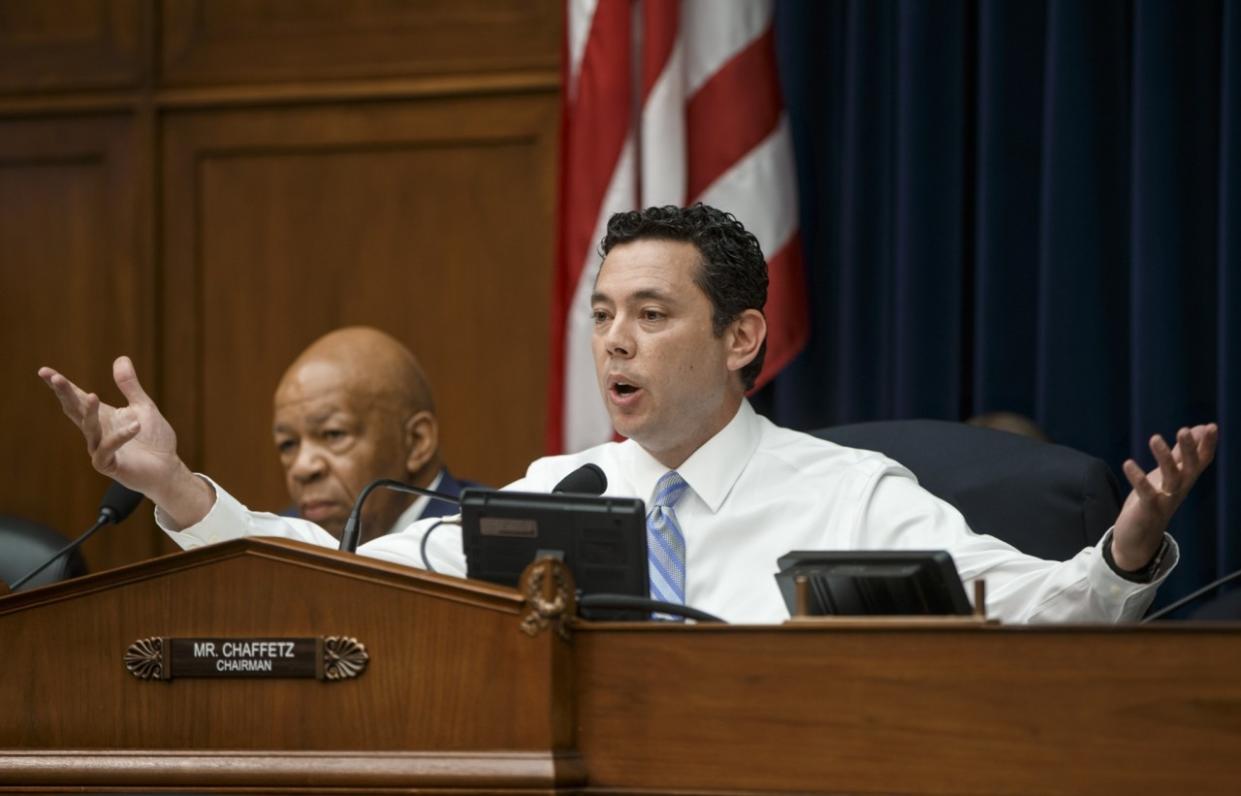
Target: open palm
(1157,494)
(133,444)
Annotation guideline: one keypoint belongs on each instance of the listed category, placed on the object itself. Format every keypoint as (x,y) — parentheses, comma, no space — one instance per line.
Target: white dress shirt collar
(711,471)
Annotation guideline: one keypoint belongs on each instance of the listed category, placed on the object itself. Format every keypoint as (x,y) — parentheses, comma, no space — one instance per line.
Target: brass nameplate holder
(324,658)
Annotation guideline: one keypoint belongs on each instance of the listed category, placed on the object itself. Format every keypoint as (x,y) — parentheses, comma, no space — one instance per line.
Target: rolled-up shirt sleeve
(229,519)
(898,514)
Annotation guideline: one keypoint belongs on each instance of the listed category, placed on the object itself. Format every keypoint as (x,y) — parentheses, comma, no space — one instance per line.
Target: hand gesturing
(133,444)
(1157,494)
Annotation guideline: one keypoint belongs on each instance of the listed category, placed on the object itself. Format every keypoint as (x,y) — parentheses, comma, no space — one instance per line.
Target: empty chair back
(25,544)
(1046,500)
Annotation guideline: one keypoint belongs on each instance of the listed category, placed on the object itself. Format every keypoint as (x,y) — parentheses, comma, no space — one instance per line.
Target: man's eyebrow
(651,294)
(320,417)
(646,294)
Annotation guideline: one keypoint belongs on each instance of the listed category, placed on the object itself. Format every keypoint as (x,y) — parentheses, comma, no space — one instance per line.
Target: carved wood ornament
(551,597)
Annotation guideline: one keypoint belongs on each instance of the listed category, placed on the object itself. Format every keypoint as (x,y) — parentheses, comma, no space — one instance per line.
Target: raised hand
(1157,494)
(133,444)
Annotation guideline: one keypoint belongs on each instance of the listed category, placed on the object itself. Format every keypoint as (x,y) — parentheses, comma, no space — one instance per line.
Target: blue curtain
(1025,206)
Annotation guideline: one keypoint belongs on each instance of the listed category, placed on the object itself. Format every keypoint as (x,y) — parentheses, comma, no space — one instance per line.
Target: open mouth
(623,392)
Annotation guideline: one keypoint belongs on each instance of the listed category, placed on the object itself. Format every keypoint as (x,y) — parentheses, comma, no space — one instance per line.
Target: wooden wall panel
(428,218)
(72,44)
(246,41)
(322,162)
(75,277)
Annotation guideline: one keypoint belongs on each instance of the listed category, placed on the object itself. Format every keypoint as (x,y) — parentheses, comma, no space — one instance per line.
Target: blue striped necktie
(664,541)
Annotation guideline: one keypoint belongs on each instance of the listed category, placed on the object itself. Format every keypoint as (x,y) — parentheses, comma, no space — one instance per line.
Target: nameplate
(324,657)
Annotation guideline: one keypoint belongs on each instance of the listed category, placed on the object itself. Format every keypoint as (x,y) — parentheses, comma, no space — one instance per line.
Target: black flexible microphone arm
(349,536)
(99,523)
(1186,600)
(118,503)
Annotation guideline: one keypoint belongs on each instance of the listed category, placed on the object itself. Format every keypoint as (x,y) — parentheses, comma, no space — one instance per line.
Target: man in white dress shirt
(679,337)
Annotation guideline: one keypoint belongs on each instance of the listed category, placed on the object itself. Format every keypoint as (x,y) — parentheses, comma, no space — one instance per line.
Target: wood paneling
(71,44)
(225,41)
(76,278)
(429,219)
(208,186)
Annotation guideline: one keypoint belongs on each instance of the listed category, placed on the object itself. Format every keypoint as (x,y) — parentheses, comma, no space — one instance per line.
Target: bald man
(353,407)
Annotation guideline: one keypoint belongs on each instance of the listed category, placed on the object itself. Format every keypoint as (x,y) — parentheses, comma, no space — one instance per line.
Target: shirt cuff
(1144,575)
(226,520)
(1105,581)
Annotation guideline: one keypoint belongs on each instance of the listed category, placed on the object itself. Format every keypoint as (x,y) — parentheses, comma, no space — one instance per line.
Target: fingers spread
(1207,437)
(126,379)
(104,455)
(1169,473)
(91,427)
(1138,480)
(72,399)
(1188,447)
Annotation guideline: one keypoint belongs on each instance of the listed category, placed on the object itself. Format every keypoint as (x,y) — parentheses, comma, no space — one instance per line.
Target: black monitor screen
(601,539)
(875,583)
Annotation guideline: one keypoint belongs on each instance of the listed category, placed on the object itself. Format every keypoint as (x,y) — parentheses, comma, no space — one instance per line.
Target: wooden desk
(457,698)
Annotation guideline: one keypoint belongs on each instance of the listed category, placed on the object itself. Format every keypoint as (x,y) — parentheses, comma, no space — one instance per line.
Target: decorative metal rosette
(343,657)
(145,658)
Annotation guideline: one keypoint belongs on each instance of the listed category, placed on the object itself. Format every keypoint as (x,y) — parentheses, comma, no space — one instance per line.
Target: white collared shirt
(757,491)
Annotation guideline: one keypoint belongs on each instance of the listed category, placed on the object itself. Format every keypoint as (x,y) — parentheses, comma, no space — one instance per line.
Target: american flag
(667,102)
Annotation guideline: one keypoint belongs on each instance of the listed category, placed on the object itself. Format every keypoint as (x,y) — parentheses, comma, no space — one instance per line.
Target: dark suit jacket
(449,486)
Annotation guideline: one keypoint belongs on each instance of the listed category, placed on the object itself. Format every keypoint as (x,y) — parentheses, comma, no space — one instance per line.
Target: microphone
(585,480)
(118,502)
(349,536)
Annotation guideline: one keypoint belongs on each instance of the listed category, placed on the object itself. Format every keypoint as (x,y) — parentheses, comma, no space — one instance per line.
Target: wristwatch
(1144,575)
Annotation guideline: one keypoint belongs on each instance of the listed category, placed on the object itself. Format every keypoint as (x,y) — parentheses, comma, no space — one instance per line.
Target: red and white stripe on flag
(667,102)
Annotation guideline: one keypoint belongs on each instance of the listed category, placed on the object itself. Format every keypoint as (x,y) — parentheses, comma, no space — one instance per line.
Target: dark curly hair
(733,272)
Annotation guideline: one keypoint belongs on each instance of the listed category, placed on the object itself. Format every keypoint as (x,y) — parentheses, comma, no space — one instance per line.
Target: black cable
(349,536)
(422,548)
(1167,609)
(626,602)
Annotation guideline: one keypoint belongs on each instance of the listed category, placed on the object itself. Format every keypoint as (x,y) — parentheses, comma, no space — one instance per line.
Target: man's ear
(746,335)
(422,440)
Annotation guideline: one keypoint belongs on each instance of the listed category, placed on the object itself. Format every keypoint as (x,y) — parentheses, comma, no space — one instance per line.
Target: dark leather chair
(25,544)
(1046,500)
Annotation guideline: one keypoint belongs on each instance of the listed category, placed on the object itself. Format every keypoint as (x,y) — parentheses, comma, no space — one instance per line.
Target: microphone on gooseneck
(585,480)
(349,536)
(118,502)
